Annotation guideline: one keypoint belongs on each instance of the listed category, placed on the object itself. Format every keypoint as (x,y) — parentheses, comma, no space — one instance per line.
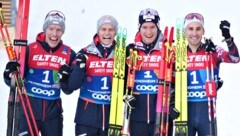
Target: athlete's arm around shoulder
(75,78)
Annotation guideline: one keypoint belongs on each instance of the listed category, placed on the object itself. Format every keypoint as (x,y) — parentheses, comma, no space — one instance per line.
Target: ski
(21,30)
(164,84)
(20,44)
(15,98)
(116,107)
(181,80)
(169,60)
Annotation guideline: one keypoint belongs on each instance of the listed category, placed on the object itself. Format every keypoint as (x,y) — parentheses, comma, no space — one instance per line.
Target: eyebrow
(195,27)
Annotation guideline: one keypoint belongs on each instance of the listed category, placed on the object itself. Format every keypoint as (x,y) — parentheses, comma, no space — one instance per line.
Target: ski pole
(211,90)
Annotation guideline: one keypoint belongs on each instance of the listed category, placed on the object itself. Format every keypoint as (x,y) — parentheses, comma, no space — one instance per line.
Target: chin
(53,45)
(149,41)
(107,42)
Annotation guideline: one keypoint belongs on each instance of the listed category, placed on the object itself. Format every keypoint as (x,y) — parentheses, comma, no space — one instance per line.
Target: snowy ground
(81,26)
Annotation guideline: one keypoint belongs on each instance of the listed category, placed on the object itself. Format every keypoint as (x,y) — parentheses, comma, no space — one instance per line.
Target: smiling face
(53,35)
(148,32)
(194,32)
(106,34)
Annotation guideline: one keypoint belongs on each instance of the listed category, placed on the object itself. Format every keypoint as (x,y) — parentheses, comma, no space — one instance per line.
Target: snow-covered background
(81,19)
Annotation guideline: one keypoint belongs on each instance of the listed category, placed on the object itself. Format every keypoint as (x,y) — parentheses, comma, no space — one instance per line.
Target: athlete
(198,119)
(147,44)
(92,74)
(44,57)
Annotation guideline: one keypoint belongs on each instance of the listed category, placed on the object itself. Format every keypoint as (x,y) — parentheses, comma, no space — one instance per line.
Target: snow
(81,18)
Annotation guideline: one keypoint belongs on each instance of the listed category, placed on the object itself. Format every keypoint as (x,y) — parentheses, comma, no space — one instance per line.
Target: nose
(107,31)
(194,32)
(54,32)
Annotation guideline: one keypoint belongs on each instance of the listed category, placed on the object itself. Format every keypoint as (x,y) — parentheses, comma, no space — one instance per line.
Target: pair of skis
(165,82)
(116,107)
(15,98)
(181,128)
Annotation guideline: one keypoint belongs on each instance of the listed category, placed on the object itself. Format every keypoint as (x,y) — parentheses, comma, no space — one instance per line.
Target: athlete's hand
(81,61)
(130,100)
(209,46)
(173,112)
(63,73)
(219,83)
(225,28)
(10,68)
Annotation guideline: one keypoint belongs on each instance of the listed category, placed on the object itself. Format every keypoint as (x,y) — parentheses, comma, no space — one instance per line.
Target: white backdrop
(81,19)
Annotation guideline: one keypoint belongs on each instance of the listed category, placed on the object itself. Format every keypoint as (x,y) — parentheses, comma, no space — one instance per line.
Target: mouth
(149,36)
(106,38)
(54,39)
(194,38)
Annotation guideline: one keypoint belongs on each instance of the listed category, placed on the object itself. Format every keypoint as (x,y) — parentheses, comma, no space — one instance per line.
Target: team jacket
(41,76)
(95,84)
(196,69)
(145,85)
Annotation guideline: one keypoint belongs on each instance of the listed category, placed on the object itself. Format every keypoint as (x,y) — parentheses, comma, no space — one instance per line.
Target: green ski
(116,109)
(181,81)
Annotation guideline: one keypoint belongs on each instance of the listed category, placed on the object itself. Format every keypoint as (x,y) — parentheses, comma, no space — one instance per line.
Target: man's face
(106,34)
(194,32)
(148,32)
(53,35)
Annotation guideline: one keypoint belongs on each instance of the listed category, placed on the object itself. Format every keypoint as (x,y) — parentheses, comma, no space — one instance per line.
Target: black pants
(198,119)
(51,127)
(144,129)
(81,130)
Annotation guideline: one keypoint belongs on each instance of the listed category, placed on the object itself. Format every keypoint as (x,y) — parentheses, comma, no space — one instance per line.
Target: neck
(106,46)
(194,47)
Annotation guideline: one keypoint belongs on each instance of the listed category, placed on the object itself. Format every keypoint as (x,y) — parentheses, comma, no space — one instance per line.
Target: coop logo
(153,88)
(101,96)
(197,94)
(43,92)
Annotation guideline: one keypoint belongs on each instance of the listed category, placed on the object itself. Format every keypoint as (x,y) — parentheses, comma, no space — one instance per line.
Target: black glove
(10,68)
(173,112)
(219,83)
(63,73)
(81,60)
(209,46)
(225,28)
(130,100)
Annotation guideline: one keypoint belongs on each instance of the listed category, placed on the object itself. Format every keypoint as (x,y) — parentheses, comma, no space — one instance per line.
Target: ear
(158,24)
(184,31)
(139,26)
